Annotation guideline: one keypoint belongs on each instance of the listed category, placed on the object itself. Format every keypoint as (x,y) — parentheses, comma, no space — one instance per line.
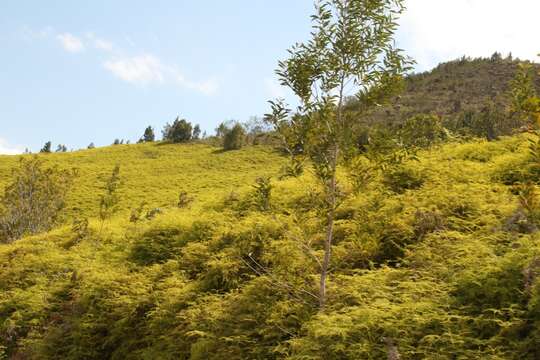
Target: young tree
(196,132)
(47,148)
(61,148)
(108,202)
(525,103)
(350,51)
(222,129)
(148,135)
(33,200)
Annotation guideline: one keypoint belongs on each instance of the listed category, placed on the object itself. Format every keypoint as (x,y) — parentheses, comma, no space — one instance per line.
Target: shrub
(108,203)
(137,213)
(33,201)
(184,199)
(423,131)
(157,246)
(400,178)
(163,243)
(234,138)
(262,194)
(426,222)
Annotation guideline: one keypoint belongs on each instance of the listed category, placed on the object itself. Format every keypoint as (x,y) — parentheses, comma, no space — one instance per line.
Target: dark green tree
(350,51)
(61,148)
(47,148)
(179,131)
(196,132)
(234,138)
(148,135)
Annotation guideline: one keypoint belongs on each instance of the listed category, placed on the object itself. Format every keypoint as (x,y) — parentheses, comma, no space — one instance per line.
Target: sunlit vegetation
(351,227)
(447,267)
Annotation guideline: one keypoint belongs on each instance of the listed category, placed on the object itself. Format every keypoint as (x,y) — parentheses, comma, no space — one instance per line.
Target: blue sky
(76,72)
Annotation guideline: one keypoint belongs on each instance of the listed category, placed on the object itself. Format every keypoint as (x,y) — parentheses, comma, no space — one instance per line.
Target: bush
(400,179)
(262,194)
(157,246)
(161,244)
(234,138)
(423,131)
(33,201)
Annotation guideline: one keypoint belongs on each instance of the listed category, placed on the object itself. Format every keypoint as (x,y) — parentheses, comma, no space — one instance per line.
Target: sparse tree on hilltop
(179,131)
(61,148)
(149,135)
(234,138)
(47,148)
(196,132)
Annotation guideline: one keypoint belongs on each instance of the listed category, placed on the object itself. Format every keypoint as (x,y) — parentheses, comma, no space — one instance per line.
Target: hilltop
(439,260)
(454,91)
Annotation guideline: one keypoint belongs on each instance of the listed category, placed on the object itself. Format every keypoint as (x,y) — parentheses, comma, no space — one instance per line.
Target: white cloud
(7,149)
(439,30)
(70,42)
(143,69)
(99,43)
(148,69)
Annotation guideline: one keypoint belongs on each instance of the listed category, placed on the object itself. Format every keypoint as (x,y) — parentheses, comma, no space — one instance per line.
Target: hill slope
(156,173)
(454,89)
(443,269)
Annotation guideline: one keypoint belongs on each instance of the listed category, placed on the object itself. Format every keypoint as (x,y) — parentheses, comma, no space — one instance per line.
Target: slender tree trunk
(331,200)
(332,190)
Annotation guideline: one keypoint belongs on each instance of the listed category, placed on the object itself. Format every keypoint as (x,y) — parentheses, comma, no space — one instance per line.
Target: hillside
(454,89)
(156,173)
(444,267)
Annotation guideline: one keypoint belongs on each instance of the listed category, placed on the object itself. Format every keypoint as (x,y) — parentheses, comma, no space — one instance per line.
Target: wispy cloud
(143,69)
(7,149)
(139,69)
(70,42)
(148,69)
(99,43)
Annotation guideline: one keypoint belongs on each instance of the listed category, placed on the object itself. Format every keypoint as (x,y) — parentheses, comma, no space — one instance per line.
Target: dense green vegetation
(447,267)
(343,229)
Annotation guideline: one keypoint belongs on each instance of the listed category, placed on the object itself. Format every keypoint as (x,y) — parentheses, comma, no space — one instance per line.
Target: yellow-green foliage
(441,268)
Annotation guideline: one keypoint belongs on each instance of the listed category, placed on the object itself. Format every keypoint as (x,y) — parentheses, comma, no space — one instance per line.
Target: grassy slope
(156,173)
(457,293)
